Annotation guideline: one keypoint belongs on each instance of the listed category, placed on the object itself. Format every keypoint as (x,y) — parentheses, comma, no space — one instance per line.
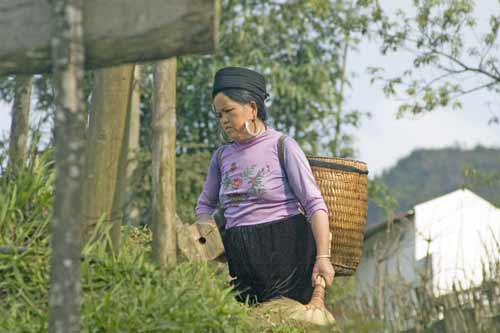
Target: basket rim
(337,166)
(337,158)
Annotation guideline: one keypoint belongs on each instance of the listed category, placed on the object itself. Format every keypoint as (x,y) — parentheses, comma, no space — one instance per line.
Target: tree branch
(466,67)
(465,92)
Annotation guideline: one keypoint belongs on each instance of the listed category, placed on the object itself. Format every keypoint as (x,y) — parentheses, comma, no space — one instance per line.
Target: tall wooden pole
(134,135)
(19,130)
(163,184)
(70,122)
(107,149)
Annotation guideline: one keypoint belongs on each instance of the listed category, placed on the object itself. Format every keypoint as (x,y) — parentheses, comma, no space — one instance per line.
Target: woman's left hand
(323,267)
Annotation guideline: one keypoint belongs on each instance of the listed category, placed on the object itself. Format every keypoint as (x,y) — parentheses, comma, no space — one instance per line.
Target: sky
(383,139)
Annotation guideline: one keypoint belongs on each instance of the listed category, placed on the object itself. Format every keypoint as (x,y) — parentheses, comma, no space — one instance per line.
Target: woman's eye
(223,111)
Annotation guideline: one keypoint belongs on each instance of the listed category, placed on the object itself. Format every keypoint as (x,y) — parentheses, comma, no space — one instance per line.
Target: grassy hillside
(426,173)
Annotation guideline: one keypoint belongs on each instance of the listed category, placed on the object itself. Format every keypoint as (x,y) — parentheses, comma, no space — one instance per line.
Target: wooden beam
(115,32)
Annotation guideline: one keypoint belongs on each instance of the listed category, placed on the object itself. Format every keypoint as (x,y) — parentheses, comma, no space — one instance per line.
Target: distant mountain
(426,174)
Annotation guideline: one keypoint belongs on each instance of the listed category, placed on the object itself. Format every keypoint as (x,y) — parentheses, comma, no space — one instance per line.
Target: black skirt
(271,259)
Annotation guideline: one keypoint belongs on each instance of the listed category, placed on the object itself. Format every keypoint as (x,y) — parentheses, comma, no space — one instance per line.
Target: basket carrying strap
(219,159)
(315,163)
(219,218)
(281,157)
(281,152)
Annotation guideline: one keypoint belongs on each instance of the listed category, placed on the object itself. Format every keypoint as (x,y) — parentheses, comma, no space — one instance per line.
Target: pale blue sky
(383,139)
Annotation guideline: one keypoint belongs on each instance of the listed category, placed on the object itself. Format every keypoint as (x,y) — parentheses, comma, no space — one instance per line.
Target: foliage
(381,199)
(131,294)
(191,171)
(426,174)
(446,66)
(193,168)
(301,47)
(26,194)
(126,293)
(43,95)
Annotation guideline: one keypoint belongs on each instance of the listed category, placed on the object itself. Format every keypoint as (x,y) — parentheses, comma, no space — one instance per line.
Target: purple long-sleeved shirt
(252,186)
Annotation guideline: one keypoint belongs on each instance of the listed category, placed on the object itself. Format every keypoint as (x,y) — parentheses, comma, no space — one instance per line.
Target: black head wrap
(239,78)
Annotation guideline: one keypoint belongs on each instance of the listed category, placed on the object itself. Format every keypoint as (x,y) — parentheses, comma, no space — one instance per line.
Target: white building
(444,241)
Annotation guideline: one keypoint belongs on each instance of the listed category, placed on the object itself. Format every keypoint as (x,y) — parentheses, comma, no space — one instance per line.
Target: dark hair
(244,97)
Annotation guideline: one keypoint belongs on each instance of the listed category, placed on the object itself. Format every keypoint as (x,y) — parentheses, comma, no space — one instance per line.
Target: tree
(445,66)
(67,55)
(302,47)
(163,157)
(107,151)
(19,130)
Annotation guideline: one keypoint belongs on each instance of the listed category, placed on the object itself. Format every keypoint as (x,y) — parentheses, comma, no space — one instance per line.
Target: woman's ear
(253,105)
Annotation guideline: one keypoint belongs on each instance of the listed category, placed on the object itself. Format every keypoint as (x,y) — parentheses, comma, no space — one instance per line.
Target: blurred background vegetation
(302,47)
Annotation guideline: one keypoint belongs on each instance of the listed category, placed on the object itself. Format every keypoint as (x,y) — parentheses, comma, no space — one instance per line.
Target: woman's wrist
(323,256)
(203,218)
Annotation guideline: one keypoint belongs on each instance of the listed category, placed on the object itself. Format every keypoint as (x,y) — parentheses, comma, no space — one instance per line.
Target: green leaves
(297,45)
(443,59)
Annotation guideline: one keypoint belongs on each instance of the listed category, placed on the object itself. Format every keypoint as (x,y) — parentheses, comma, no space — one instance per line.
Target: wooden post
(70,122)
(19,130)
(163,179)
(116,32)
(107,150)
(134,135)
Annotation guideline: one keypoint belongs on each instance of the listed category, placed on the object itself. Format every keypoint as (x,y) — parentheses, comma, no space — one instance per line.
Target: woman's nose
(223,119)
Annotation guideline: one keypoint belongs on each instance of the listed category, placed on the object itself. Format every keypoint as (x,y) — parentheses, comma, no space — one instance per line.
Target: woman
(272,248)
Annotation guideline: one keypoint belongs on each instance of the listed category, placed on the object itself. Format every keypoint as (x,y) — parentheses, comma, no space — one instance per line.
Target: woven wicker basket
(343,184)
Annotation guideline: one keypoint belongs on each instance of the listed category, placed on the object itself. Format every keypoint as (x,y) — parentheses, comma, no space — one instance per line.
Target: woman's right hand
(203,218)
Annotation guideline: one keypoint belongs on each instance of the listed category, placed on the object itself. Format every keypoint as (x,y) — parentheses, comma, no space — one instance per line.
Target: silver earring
(252,134)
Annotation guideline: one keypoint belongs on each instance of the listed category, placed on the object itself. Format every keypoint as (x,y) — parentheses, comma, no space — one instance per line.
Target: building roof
(371,229)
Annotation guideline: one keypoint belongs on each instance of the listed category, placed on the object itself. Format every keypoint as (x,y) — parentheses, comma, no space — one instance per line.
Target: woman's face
(232,116)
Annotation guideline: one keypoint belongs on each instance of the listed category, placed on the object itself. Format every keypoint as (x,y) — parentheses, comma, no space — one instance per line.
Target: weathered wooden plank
(200,241)
(115,32)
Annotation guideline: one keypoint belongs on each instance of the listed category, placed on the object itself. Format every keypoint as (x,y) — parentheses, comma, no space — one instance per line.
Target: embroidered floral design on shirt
(236,183)
(235,198)
(255,180)
(226,180)
(250,177)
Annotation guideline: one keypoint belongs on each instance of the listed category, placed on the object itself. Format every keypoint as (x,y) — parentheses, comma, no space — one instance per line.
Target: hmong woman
(276,233)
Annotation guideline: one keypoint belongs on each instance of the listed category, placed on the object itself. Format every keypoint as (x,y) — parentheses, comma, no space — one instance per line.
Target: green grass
(127,293)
